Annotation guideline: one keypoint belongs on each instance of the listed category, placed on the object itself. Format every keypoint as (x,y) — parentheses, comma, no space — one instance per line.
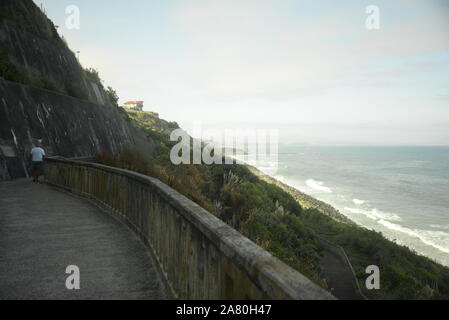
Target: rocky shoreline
(304,199)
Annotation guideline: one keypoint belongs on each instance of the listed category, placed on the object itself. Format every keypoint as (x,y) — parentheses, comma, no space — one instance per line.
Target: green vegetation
(93,75)
(27,16)
(150,122)
(11,72)
(8,71)
(404,273)
(274,220)
(46,83)
(76,91)
(112,95)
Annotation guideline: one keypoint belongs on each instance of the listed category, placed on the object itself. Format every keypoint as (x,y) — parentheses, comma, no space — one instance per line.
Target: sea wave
(280,178)
(318,185)
(432,238)
(375,214)
(436,237)
(358,202)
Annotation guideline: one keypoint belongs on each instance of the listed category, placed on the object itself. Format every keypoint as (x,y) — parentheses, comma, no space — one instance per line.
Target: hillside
(47,96)
(274,216)
(32,53)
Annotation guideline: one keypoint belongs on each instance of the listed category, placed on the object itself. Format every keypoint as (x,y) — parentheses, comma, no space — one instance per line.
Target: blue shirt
(37,154)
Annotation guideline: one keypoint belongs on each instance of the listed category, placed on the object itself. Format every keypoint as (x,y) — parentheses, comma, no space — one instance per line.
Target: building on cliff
(134,105)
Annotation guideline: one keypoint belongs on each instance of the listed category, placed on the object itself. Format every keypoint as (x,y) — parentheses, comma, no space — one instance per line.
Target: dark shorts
(37,168)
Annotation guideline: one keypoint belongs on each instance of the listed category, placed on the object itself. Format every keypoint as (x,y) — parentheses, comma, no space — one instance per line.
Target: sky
(310,68)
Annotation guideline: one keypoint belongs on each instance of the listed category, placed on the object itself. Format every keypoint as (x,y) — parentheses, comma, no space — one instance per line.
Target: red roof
(133,102)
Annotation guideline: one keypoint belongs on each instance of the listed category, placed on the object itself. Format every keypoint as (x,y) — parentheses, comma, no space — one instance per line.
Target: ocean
(402,192)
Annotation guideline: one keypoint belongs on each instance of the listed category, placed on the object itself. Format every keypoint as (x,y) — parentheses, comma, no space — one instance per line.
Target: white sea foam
(375,214)
(280,178)
(361,211)
(429,239)
(432,238)
(318,185)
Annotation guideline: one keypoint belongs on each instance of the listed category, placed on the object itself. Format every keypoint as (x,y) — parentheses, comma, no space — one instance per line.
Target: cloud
(405,69)
(244,49)
(280,61)
(443,97)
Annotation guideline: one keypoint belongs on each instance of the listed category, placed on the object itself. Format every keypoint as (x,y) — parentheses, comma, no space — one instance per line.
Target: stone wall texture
(66,126)
(34,47)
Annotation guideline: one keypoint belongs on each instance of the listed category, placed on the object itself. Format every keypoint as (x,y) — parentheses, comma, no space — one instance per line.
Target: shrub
(112,96)
(8,71)
(76,91)
(46,83)
(93,75)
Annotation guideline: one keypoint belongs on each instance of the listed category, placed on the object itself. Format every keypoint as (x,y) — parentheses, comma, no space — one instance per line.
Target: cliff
(50,97)
(30,44)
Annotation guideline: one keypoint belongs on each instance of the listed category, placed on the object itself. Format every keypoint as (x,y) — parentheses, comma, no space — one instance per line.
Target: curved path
(42,231)
(338,275)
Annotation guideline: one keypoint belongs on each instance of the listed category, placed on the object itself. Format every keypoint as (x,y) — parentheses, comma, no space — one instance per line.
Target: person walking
(37,161)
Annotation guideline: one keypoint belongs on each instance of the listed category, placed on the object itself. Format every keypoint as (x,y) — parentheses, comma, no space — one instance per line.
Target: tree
(93,75)
(112,95)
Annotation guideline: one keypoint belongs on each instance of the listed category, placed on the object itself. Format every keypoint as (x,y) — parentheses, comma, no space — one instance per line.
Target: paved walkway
(339,276)
(43,230)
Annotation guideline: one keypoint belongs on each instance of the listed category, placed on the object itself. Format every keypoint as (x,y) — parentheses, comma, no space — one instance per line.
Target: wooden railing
(199,256)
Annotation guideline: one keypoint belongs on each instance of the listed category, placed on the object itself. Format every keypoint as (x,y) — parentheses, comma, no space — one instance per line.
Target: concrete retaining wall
(37,58)
(199,256)
(67,126)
